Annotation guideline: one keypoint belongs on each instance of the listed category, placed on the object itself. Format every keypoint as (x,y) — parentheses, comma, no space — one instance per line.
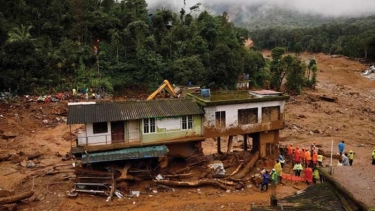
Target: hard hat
(273,169)
(350,151)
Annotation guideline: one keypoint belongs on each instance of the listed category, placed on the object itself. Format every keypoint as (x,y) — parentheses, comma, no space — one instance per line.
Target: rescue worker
(297,169)
(320,160)
(282,160)
(274,177)
(308,158)
(303,156)
(308,175)
(345,159)
(341,146)
(314,158)
(373,157)
(266,178)
(297,156)
(290,151)
(316,175)
(351,157)
(279,171)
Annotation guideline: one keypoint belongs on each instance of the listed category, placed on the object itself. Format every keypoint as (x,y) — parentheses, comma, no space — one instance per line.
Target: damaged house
(176,127)
(257,116)
(136,129)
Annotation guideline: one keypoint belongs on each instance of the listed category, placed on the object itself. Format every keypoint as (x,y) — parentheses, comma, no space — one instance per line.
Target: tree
(19,34)
(277,68)
(115,40)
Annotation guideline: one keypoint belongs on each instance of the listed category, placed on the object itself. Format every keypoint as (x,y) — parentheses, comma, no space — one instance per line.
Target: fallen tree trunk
(16,198)
(238,168)
(225,182)
(178,175)
(192,184)
(248,166)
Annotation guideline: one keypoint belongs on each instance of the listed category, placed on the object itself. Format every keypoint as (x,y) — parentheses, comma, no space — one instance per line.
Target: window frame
(99,127)
(247,111)
(267,113)
(187,122)
(221,121)
(149,125)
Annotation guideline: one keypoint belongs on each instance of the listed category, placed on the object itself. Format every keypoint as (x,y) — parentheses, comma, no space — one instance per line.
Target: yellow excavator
(165,86)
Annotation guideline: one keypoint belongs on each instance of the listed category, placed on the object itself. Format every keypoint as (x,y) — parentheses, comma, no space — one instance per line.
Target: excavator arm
(165,85)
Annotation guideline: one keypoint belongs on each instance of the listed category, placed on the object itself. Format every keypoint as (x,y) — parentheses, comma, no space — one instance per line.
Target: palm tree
(19,34)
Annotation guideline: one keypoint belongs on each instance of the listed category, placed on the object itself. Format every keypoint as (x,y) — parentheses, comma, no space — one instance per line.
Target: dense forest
(53,45)
(48,46)
(353,38)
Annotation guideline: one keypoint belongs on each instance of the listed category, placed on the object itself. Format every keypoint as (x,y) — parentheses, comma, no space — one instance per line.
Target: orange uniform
(290,150)
(308,157)
(315,158)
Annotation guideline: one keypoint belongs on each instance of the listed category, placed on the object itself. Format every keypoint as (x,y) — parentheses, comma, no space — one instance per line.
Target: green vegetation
(353,38)
(52,46)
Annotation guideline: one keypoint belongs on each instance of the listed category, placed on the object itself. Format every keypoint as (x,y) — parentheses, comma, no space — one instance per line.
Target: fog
(333,8)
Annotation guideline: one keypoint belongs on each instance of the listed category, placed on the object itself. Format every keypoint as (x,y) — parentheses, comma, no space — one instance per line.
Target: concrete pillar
(230,143)
(219,145)
(245,142)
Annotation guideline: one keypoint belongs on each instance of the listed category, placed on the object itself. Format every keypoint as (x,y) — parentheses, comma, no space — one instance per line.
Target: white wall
(95,139)
(173,123)
(231,112)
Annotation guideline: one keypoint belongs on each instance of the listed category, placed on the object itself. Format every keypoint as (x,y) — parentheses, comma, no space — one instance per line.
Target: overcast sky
(321,7)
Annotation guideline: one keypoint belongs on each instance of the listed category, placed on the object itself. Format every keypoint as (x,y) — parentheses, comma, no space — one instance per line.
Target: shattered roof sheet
(125,154)
(129,110)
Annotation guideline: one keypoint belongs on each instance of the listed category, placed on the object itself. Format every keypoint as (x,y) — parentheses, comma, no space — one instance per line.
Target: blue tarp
(125,154)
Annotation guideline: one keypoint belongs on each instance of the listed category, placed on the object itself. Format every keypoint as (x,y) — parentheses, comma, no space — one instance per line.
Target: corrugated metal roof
(125,154)
(128,110)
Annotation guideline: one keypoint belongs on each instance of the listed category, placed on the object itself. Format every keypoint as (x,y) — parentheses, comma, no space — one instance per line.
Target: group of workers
(306,160)
(307,157)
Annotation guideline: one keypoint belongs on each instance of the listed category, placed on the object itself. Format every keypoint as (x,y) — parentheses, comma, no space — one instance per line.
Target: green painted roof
(125,154)
(130,110)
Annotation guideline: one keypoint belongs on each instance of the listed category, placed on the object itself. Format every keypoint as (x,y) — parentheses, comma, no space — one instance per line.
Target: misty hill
(263,16)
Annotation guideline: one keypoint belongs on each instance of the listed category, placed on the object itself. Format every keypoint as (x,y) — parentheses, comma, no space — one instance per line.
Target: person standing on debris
(282,160)
(373,156)
(307,158)
(314,158)
(308,175)
(341,147)
(266,179)
(345,160)
(303,153)
(351,157)
(279,171)
(320,160)
(316,175)
(297,156)
(290,151)
(274,177)
(297,169)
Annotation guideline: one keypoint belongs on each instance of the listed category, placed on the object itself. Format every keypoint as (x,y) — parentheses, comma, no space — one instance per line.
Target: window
(270,114)
(149,125)
(187,122)
(220,118)
(100,127)
(247,116)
